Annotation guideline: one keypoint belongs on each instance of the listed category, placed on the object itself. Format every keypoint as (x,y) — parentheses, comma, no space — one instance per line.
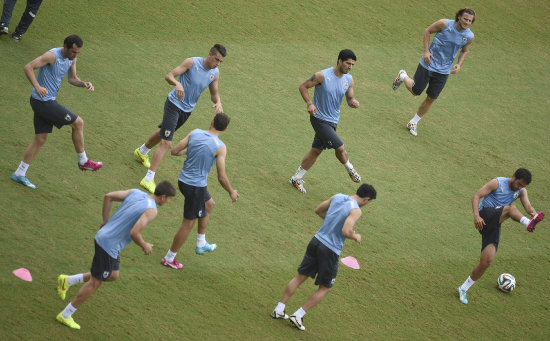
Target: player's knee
(41,139)
(166,143)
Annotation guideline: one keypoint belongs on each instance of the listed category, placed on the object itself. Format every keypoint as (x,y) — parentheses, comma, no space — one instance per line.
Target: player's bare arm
(316,78)
(140,225)
(461,57)
(482,192)
(74,80)
(350,96)
(108,202)
(172,76)
(222,175)
(526,203)
(180,148)
(47,58)
(433,28)
(347,229)
(322,209)
(215,96)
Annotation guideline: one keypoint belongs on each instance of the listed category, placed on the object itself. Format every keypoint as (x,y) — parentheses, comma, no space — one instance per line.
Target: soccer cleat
(23,180)
(142,158)
(173,264)
(412,128)
(299,184)
(148,185)
(277,315)
(297,322)
(354,175)
(462,295)
(536,219)
(16,37)
(68,322)
(399,79)
(62,286)
(90,165)
(206,248)
(3,29)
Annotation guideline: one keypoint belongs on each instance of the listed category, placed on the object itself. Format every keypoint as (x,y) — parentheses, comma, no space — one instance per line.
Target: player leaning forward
(492,205)
(128,222)
(339,213)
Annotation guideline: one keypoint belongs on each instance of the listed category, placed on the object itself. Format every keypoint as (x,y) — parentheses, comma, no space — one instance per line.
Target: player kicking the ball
(492,205)
(128,222)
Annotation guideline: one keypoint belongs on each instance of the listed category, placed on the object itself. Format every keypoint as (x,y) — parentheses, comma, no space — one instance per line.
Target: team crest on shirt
(211,76)
(105,274)
(464,39)
(167,133)
(68,117)
(346,85)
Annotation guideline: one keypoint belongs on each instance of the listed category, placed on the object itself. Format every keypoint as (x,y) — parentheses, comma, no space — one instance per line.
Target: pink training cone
(24,274)
(351,262)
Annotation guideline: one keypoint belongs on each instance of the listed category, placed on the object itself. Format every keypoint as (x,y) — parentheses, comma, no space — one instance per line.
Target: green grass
(419,240)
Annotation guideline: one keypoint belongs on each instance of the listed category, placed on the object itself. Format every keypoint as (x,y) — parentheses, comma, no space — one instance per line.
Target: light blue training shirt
(200,158)
(502,196)
(114,236)
(328,95)
(50,76)
(194,81)
(445,47)
(330,232)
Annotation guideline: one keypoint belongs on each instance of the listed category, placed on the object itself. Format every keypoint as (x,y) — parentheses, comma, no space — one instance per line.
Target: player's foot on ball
(297,322)
(142,158)
(206,248)
(354,175)
(173,264)
(148,185)
(279,315)
(399,79)
(536,219)
(412,128)
(68,322)
(462,295)
(91,165)
(23,180)
(62,286)
(298,184)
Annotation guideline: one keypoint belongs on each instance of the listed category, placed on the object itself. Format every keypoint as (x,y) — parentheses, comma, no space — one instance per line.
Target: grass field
(419,242)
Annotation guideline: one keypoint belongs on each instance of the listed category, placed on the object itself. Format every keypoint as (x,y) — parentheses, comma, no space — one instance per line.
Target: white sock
(467,284)
(348,165)
(143,149)
(403,75)
(22,169)
(299,173)
(280,307)
(300,313)
(201,240)
(170,256)
(150,175)
(75,279)
(82,158)
(68,311)
(525,221)
(416,118)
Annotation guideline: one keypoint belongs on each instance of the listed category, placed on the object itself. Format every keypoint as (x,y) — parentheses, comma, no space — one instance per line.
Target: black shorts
(422,77)
(321,261)
(325,134)
(491,231)
(195,200)
(50,113)
(103,264)
(172,120)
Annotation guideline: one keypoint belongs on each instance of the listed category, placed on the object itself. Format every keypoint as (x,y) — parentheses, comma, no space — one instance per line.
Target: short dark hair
(73,39)
(165,188)
(524,174)
(366,191)
(221,121)
(346,54)
(218,48)
(465,10)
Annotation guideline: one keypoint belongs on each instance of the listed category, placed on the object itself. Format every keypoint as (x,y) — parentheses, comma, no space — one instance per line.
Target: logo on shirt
(167,133)
(211,76)
(516,195)
(346,85)
(464,39)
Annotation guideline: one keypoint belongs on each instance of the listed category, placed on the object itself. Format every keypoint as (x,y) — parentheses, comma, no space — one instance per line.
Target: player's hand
(455,69)
(358,238)
(180,93)
(89,86)
(218,108)
(311,109)
(479,223)
(42,91)
(234,196)
(428,58)
(147,249)
(354,103)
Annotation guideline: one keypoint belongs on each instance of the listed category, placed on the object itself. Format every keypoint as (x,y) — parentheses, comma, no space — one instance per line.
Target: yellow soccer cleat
(62,286)
(148,185)
(143,158)
(68,322)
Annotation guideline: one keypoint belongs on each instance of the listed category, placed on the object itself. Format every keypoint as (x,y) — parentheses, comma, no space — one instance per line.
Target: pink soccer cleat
(536,219)
(173,264)
(90,165)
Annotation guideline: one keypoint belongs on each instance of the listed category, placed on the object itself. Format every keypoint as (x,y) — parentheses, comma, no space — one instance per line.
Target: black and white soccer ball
(506,282)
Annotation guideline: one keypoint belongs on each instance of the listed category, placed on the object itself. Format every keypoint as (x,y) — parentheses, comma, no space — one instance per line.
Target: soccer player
(53,66)
(203,149)
(492,205)
(190,79)
(330,87)
(26,19)
(436,64)
(137,210)
(339,213)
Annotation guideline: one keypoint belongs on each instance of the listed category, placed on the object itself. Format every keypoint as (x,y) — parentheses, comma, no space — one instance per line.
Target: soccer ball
(506,282)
